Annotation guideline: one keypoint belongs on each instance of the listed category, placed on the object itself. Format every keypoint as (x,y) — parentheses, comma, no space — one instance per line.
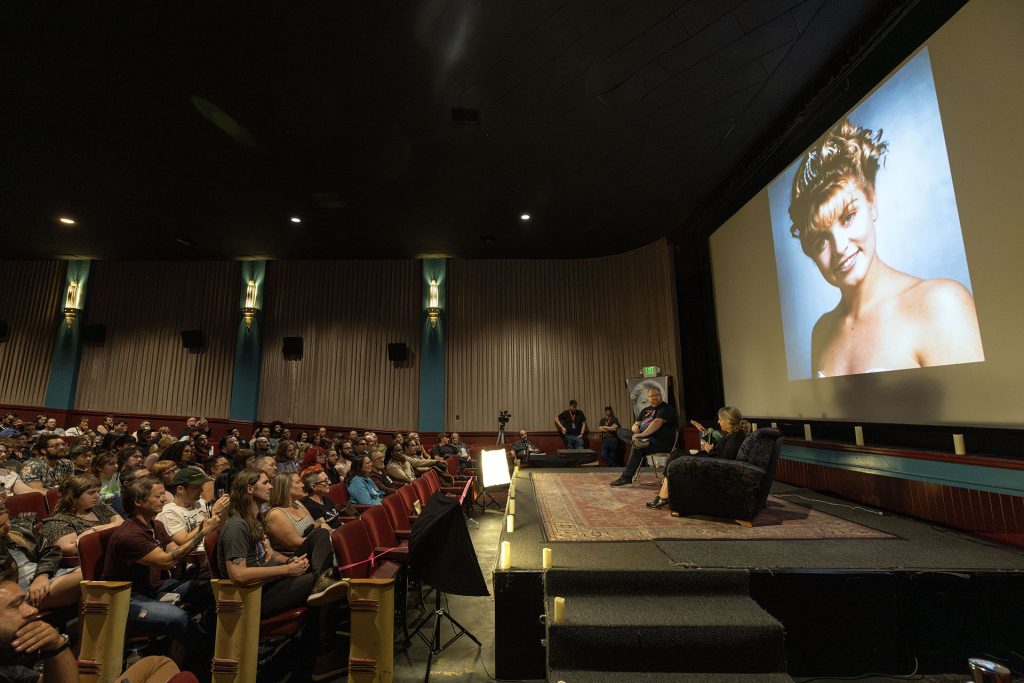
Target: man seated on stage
(572,423)
(653,432)
(141,551)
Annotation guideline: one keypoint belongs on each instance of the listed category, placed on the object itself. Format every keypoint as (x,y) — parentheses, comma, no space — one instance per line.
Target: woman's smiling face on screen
(842,242)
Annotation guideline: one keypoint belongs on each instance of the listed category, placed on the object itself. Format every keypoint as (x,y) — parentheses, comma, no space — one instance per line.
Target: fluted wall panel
(31,299)
(142,367)
(346,312)
(528,335)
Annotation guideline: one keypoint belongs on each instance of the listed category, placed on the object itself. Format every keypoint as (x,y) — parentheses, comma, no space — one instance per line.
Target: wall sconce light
(433,310)
(71,303)
(250,310)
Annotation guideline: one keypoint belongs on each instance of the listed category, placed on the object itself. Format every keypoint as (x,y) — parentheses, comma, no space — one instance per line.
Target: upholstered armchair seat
(732,489)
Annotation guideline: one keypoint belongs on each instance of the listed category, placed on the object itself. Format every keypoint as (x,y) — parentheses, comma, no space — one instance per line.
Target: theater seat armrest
(403,534)
(362,508)
(394,554)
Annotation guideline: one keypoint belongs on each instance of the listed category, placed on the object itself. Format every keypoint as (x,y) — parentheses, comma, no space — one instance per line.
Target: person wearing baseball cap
(187,512)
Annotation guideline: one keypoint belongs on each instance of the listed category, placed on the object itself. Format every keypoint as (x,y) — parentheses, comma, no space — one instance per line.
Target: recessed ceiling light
(295,219)
(524,217)
(66,221)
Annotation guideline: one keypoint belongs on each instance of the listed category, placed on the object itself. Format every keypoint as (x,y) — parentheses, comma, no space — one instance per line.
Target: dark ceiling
(196,130)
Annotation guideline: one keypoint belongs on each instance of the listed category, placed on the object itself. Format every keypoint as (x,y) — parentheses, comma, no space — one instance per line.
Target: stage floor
(905,594)
(912,545)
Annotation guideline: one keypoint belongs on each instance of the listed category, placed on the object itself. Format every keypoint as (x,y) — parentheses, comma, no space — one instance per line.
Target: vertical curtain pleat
(346,312)
(142,366)
(31,300)
(527,336)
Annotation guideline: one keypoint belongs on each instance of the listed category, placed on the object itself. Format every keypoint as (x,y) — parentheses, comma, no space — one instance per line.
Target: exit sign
(651,371)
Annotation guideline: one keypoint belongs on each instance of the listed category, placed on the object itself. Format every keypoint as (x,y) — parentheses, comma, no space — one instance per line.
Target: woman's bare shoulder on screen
(942,316)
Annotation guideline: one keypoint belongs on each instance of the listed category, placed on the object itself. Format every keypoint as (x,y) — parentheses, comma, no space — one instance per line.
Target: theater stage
(822,589)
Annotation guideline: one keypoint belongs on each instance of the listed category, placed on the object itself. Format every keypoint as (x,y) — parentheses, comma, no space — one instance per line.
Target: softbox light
(442,552)
(495,468)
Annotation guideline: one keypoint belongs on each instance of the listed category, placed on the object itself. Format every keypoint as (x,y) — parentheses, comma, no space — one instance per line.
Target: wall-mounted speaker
(193,340)
(292,348)
(3,330)
(94,334)
(398,352)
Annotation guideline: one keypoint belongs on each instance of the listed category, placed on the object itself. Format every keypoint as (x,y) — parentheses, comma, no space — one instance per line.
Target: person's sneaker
(620,482)
(329,665)
(657,503)
(327,589)
(641,442)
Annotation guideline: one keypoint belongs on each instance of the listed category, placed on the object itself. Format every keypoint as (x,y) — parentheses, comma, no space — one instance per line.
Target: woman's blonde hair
(734,418)
(161,467)
(281,494)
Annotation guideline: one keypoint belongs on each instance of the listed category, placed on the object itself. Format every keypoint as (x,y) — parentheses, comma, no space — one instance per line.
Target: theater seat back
(409,497)
(433,481)
(338,493)
(378,527)
(92,551)
(398,514)
(351,545)
(212,558)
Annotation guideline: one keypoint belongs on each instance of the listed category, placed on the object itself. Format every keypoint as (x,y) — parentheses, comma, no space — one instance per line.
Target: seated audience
(442,449)
(126,475)
(106,426)
(336,467)
(164,470)
(292,529)
(268,464)
(734,429)
(10,479)
(243,459)
(398,466)
(81,458)
(361,489)
(129,456)
(81,430)
(141,551)
(78,511)
(36,564)
(187,511)
(461,451)
(380,476)
(261,446)
(49,468)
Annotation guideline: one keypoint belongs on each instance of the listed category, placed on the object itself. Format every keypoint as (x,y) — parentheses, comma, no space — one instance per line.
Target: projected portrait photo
(869,251)
(638,387)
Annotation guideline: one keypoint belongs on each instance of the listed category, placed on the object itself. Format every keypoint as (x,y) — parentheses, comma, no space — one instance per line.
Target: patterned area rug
(583,507)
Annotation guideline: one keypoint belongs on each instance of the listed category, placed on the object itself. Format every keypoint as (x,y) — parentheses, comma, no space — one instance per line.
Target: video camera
(503,417)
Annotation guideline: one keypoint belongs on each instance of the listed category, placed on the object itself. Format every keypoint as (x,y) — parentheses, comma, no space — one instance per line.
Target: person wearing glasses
(320,507)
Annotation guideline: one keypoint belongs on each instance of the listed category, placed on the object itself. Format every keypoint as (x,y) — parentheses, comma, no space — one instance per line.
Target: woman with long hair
(79,511)
(292,529)
(734,429)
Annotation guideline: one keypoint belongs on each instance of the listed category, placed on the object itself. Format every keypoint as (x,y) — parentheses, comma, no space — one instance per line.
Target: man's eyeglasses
(322,482)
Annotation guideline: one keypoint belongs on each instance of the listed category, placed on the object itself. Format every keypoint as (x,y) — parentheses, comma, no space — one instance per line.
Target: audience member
(336,467)
(106,426)
(442,449)
(292,529)
(10,479)
(361,489)
(379,475)
(50,467)
(268,464)
(81,458)
(127,474)
(398,466)
(78,511)
(187,510)
(320,507)
(104,468)
(141,551)
(37,563)
(81,430)
(286,456)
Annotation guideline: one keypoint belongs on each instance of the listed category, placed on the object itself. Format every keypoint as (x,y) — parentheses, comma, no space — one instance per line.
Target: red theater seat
(352,546)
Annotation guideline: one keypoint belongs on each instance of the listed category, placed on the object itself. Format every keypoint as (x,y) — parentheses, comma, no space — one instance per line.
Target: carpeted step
(566,582)
(693,633)
(575,676)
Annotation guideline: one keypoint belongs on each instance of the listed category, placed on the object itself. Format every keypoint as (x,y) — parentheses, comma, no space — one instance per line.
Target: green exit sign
(651,371)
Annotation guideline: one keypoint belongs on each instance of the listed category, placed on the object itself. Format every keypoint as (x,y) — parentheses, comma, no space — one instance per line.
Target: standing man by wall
(609,440)
(572,423)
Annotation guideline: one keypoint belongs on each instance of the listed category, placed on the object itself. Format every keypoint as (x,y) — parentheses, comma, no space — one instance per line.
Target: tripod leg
(435,640)
(463,629)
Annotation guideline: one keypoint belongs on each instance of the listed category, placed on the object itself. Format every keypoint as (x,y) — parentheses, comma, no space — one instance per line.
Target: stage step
(680,622)
(575,676)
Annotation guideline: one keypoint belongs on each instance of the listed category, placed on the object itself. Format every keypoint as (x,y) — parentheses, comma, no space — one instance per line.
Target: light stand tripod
(434,642)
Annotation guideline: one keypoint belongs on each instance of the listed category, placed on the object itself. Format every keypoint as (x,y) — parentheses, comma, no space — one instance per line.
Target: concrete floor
(463,661)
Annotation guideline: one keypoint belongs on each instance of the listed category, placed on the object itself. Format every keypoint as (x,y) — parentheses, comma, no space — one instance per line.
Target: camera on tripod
(503,417)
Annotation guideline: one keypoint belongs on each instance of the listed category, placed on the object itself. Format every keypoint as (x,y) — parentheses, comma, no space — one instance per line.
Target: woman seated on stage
(734,430)
(78,511)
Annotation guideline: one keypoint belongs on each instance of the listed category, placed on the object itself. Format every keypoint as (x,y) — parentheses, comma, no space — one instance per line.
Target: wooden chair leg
(236,648)
(372,642)
(104,617)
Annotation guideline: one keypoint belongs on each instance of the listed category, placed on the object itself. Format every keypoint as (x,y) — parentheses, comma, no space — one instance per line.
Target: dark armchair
(732,489)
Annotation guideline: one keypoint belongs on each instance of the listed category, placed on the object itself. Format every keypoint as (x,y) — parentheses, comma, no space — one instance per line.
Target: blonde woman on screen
(885,319)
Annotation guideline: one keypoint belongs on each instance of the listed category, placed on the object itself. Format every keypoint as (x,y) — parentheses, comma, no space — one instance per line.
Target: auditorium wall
(528,335)
(346,312)
(142,366)
(30,304)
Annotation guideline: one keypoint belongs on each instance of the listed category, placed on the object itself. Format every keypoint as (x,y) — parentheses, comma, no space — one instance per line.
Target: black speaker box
(3,330)
(94,334)
(193,339)
(398,352)
(292,348)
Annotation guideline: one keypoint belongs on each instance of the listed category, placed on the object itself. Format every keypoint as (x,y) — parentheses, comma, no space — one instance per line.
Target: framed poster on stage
(638,386)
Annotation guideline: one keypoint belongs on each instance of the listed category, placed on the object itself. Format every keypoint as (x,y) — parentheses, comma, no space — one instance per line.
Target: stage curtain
(528,335)
(346,312)
(31,301)
(142,367)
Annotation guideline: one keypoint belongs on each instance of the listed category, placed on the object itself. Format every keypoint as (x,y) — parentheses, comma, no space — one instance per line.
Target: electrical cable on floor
(826,502)
(912,676)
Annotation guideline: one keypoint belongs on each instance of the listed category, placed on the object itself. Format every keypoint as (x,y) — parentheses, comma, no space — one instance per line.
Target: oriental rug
(583,507)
